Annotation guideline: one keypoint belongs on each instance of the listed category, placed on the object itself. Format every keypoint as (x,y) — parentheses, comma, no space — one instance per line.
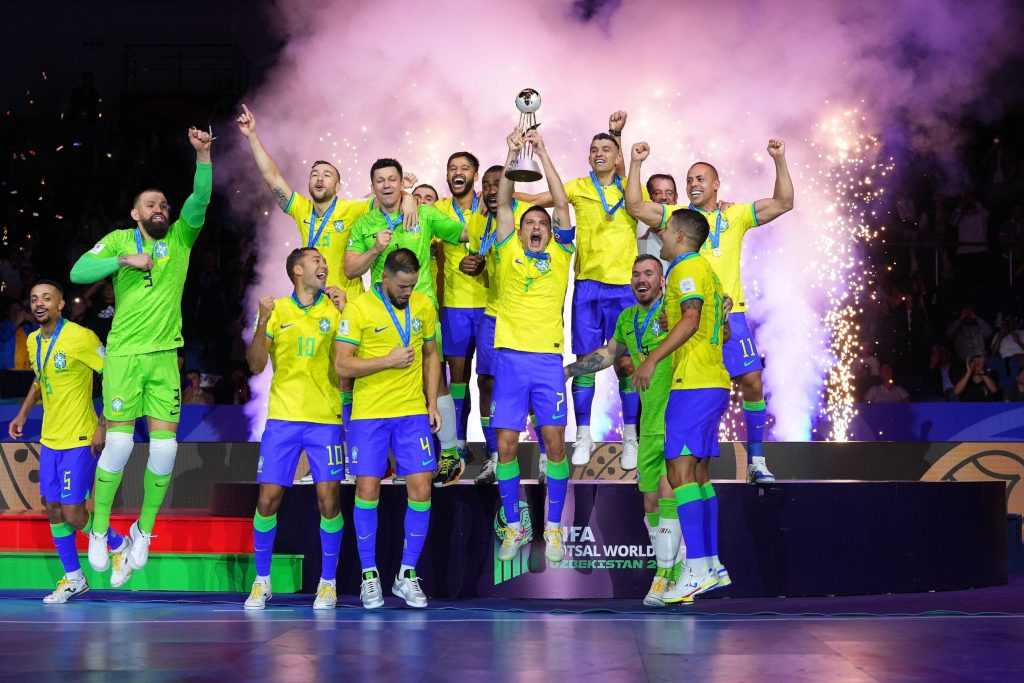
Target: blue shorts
(740,352)
(283,442)
(458,331)
(65,476)
(408,437)
(485,345)
(523,380)
(691,422)
(595,310)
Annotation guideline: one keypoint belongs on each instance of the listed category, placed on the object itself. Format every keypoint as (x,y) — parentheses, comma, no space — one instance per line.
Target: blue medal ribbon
(392,224)
(40,361)
(404,333)
(490,236)
(313,239)
(609,210)
(676,261)
(716,234)
(316,300)
(138,242)
(458,209)
(641,329)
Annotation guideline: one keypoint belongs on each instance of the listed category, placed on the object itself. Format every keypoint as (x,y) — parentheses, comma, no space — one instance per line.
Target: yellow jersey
(482,241)
(368,325)
(724,246)
(531,296)
(460,290)
(698,364)
(304,387)
(605,249)
(63,364)
(329,234)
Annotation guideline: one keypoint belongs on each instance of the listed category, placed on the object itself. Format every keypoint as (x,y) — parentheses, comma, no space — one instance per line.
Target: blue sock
(114,539)
(490,435)
(691,519)
(365,520)
(707,491)
(330,545)
(264,529)
(346,417)
(756,416)
(64,540)
(582,399)
(630,401)
(417,521)
(558,486)
(508,489)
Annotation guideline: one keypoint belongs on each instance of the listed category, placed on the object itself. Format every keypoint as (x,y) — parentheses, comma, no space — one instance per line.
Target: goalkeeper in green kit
(148,264)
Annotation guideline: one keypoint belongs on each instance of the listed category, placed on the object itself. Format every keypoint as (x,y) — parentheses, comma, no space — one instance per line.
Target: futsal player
(386,343)
(606,246)
(424,194)
(148,264)
(64,355)
(724,249)
(296,335)
(528,340)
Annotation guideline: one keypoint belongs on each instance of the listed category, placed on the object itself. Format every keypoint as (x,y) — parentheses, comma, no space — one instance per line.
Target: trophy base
(523,175)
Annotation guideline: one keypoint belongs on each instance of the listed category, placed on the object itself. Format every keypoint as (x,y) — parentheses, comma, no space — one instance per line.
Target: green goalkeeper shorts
(650,462)
(142,385)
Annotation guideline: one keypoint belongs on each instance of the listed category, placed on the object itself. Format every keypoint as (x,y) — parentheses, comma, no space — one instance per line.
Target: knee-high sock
(755,414)
(330,545)
(582,399)
(109,471)
(459,396)
(707,492)
(490,436)
(365,521)
(558,485)
(630,402)
(669,522)
(508,489)
(163,449)
(64,540)
(417,521)
(691,519)
(114,539)
(264,530)
(449,419)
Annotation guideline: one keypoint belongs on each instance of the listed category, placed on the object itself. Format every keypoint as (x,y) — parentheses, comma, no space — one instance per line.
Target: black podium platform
(785,539)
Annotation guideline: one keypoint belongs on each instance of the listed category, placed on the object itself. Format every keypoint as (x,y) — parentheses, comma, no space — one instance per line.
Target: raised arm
(616,123)
(559,200)
(541,199)
(505,217)
(193,211)
(268,169)
(258,353)
(643,211)
(781,200)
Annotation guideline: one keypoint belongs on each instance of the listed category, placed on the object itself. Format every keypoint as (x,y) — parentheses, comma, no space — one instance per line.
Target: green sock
(154,489)
(88,525)
(653,518)
(104,489)
(667,508)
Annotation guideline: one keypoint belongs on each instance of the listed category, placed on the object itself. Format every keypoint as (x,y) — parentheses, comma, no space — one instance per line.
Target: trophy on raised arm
(524,168)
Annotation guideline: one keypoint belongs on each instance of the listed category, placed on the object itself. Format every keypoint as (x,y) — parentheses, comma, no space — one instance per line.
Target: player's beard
(467,189)
(157,230)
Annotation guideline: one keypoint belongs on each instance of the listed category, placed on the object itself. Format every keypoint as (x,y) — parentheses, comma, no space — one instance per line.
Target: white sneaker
(408,588)
(553,550)
(489,473)
(138,549)
(326,595)
(122,568)
(99,558)
(758,472)
(630,448)
(723,576)
(708,583)
(512,540)
(542,468)
(582,449)
(690,585)
(370,591)
(65,590)
(259,594)
(656,594)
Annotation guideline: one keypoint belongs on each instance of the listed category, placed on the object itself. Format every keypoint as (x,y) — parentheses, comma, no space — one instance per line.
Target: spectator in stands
(888,391)
(194,392)
(968,334)
(975,384)
(14,332)
(940,384)
(1016,391)
(1007,350)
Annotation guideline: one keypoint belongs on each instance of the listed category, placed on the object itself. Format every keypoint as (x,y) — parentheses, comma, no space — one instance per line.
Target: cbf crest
(161,250)
(543,266)
(417,325)
(60,361)
(339,226)
(325,325)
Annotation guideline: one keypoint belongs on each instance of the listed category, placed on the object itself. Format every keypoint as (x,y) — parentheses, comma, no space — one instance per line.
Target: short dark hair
(497,168)
(428,186)
(606,136)
(473,161)
(321,161)
(704,163)
(386,163)
(293,258)
(52,283)
(649,257)
(401,261)
(661,176)
(138,195)
(531,210)
(692,224)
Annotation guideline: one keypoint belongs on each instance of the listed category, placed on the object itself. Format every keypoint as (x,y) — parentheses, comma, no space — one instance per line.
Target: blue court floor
(161,637)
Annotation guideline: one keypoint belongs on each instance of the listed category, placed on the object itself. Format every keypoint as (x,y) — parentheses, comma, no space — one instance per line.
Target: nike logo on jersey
(285,326)
(378,330)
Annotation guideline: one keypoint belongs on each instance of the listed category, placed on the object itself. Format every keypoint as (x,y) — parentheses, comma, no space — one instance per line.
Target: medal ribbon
(610,211)
(313,239)
(715,235)
(404,333)
(458,209)
(41,364)
(640,330)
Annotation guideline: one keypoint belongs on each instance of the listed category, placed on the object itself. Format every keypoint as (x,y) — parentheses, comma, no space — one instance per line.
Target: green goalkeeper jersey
(640,332)
(147,305)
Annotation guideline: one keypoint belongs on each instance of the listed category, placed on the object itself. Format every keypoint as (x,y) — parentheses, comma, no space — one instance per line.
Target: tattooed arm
(268,169)
(596,361)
